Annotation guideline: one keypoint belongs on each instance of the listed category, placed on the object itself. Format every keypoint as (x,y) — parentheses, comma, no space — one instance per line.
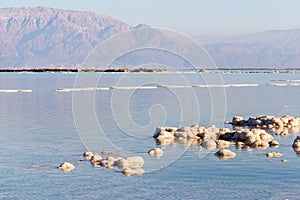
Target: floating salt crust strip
(227,85)
(80,89)
(103,88)
(133,87)
(150,87)
(14,91)
(284,84)
(281,80)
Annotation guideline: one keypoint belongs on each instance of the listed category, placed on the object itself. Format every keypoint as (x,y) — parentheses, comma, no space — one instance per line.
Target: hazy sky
(193,17)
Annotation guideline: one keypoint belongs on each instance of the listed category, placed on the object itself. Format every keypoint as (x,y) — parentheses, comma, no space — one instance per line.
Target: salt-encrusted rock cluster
(213,137)
(130,165)
(273,154)
(249,133)
(267,122)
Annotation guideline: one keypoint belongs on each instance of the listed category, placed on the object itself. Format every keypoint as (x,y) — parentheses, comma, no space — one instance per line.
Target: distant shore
(122,70)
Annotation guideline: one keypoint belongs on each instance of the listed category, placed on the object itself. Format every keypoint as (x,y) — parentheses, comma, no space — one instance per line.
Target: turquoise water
(38,132)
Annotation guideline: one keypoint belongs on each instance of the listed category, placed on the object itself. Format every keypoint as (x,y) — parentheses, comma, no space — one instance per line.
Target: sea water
(43,128)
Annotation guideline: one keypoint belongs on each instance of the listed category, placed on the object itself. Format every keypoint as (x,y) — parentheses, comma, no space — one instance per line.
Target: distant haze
(47,37)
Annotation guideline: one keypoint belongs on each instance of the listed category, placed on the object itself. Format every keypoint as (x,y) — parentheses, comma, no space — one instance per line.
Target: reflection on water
(38,133)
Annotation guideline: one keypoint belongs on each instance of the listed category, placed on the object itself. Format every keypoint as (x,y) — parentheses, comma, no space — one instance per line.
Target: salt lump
(66,167)
(88,155)
(224,154)
(156,152)
(273,154)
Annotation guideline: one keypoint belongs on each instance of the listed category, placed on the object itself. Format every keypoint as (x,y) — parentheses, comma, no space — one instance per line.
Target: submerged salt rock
(209,145)
(66,166)
(88,155)
(157,152)
(273,154)
(135,161)
(225,154)
(122,163)
(129,171)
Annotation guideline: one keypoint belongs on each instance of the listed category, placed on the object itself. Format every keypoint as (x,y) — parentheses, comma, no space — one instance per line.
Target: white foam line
(13,91)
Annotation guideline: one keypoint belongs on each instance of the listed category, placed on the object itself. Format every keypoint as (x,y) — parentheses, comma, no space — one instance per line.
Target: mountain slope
(46,36)
(270,49)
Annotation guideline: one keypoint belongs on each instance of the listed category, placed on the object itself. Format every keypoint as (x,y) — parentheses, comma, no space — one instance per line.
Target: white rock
(157,152)
(88,155)
(223,143)
(225,154)
(66,167)
(273,154)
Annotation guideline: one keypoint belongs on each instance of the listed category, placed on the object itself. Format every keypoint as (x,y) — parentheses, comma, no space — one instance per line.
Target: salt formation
(130,165)
(212,137)
(156,152)
(225,154)
(88,155)
(267,121)
(273,154)
(66,167)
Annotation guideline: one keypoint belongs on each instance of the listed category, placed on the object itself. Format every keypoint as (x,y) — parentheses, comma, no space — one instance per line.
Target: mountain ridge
(42,37)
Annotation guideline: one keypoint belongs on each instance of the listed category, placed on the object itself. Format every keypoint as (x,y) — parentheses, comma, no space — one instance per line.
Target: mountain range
(41,37)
